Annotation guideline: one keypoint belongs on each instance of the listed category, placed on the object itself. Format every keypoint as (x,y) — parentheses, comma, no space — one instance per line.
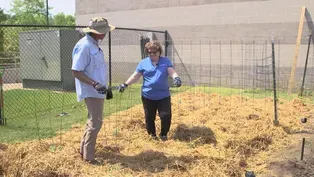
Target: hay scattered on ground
(210,135)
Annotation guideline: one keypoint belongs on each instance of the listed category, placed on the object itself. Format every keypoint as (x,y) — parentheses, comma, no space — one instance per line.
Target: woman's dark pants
(164,109)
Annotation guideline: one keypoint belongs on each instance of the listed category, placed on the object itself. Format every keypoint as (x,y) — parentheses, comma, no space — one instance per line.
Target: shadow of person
(199,134)
(149,160)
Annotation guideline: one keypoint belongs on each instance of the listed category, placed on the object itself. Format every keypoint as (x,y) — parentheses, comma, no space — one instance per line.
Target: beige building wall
(210,38)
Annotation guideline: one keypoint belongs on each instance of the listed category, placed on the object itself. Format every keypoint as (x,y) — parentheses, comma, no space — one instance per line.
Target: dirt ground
(12,86)
(211,135)
(288,163)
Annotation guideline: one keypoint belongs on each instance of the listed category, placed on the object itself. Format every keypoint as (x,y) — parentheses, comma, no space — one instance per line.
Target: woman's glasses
(152,52)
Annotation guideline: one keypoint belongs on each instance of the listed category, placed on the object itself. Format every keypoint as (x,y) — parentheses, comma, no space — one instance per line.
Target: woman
(155,70)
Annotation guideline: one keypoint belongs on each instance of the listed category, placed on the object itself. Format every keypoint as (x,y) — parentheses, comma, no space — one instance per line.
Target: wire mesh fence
(39,90)
(226,100)
(239,64)
(36,82)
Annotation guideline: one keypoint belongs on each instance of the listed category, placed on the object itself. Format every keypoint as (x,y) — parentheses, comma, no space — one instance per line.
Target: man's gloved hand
(122,87)
(177,81)
(101,89)
(109,94)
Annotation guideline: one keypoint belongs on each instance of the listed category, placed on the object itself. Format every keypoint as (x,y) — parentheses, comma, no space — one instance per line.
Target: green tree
(29,12)
(3,18)
(23,12)
(62,19)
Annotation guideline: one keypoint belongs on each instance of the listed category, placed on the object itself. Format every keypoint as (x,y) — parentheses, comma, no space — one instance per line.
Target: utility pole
(47,12)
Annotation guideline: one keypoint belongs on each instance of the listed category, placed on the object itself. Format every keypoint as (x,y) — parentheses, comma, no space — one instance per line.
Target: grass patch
(37,114)
(253,93)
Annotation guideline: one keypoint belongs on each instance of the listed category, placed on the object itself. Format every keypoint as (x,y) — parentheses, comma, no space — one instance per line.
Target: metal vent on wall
(144,38)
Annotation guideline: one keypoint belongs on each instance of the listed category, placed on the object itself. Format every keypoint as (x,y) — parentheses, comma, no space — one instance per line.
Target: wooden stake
(296,52)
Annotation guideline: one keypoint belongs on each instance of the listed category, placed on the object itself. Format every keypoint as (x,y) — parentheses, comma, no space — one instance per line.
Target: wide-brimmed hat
(98,25)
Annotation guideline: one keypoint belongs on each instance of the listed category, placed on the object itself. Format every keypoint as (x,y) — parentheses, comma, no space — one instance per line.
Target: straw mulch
(211,135)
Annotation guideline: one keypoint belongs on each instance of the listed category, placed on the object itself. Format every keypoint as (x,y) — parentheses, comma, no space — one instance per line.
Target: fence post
(306,60)
(276,122)
(302,148)
(109,51)
(166,43)
(2,119)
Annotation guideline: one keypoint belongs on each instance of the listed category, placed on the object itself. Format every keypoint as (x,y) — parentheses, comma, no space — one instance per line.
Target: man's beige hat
(98,25)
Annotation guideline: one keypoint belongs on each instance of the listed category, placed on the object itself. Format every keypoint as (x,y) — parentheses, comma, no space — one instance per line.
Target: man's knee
(93,132)
(94,126)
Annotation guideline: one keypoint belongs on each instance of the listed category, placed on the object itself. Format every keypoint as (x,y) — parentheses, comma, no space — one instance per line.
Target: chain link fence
(230,101)
(39,91)
(38,86)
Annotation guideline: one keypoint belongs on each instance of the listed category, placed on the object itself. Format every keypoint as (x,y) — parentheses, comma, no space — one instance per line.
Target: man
(90,72)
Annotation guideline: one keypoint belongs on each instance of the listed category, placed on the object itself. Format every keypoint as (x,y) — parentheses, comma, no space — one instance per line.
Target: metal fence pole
(2,119)
(306,60)
(302,148)
(166,43)
(109,45)
(276,122)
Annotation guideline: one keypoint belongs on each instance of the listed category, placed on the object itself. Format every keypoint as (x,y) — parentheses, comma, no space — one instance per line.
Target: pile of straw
(211,135)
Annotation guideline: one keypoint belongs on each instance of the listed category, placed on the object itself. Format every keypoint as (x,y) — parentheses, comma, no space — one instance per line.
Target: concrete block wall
(85,7)
(194,26)
(199,18)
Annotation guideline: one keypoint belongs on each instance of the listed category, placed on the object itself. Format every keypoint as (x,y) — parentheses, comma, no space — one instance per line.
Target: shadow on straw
(150,160)
(199,134)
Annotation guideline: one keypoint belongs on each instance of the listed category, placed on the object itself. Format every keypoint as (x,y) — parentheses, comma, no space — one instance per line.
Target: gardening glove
(177,81)
(101,89)
(109,94)
(122,87)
